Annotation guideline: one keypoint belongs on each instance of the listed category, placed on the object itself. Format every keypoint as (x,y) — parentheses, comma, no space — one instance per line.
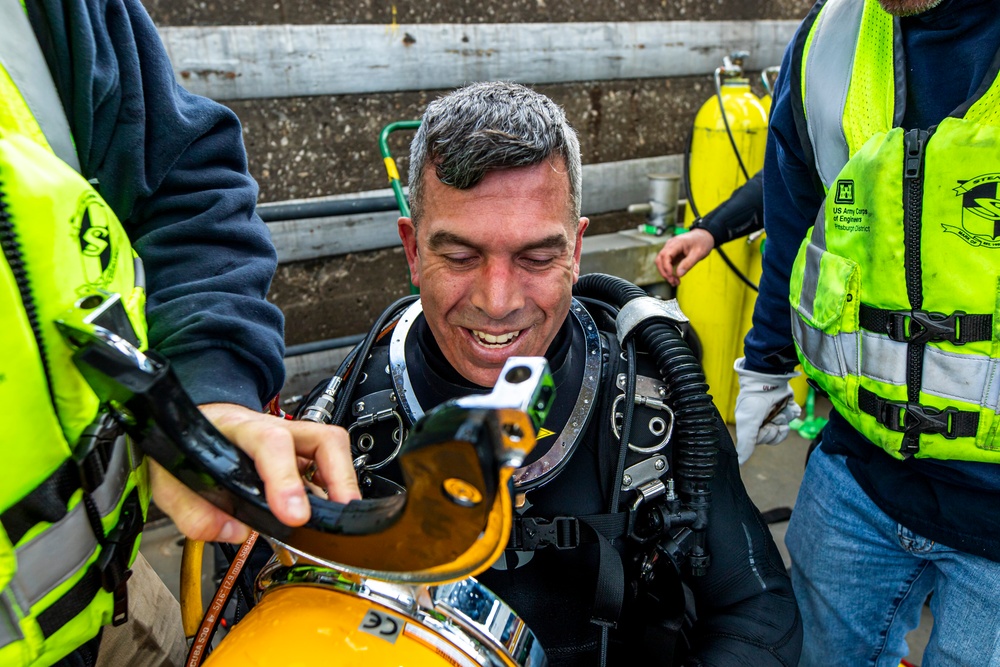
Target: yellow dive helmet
(384,581)
(368,618)
(310,614)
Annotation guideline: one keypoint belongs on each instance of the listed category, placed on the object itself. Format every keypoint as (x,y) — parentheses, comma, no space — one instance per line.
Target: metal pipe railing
(323,208)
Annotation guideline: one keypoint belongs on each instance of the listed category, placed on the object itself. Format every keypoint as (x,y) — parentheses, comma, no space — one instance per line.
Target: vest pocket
(825,293)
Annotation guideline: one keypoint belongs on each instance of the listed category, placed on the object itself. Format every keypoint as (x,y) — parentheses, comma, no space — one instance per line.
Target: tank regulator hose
(696,425)
(316,405)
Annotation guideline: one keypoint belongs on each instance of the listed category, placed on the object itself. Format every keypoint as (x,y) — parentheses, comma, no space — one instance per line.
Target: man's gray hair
(485,126)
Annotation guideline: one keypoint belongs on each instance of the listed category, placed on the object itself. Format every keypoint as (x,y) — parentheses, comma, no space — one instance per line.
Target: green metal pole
(390,163)
(393,172)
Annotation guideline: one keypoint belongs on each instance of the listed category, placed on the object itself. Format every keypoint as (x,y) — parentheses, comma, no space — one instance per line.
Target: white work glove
(764,408)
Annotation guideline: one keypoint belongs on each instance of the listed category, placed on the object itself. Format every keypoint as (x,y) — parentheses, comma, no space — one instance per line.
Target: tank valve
(732,65)
(661,209)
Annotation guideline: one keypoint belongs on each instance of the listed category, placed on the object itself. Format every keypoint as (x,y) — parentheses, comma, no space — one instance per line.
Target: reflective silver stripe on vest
(819,230)
(24,62)
(810,272)
(835,355)
(883,359)
(828,73)
(57,553)
(949,376)
(829,67)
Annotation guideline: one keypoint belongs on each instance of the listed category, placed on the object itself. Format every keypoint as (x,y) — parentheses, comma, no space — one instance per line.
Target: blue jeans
(861,579)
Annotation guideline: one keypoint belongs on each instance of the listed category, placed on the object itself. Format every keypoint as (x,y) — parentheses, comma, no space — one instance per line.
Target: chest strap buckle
(530,533)
(913,419)
(924,326)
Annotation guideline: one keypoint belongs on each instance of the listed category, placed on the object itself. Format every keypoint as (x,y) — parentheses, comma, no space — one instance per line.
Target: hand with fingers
(764,408)
(682,252)
(276,445)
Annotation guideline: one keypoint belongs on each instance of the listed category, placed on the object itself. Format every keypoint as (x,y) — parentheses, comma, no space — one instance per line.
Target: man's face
(495,265)
(908,7)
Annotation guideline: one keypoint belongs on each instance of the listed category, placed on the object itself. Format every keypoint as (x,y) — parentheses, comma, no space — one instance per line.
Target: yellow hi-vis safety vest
(895,289)
(72,493)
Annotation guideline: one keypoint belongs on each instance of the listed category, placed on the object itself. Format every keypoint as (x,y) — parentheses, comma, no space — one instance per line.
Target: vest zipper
(914,143)
(914,146)
(15,259)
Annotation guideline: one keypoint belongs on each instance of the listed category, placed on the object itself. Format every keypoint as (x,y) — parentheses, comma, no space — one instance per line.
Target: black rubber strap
(970,328)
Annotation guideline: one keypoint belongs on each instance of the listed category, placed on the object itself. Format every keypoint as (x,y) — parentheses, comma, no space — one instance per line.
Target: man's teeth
(490,339)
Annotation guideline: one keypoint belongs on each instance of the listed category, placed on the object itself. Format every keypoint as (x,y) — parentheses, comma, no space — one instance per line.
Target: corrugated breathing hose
(697,428)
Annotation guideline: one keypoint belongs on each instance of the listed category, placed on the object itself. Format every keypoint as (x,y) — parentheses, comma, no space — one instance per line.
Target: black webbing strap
(72,603)
(568,532)
(610,591)
(921,326)
(914,419)
(46,503)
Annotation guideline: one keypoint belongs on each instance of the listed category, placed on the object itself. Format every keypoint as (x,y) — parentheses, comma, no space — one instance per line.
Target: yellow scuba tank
(765,103)
(711,294)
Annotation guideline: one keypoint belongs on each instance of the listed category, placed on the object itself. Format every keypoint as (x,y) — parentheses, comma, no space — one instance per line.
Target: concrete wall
(310,146)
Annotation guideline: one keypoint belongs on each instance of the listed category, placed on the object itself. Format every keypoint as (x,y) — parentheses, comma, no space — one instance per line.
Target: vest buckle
(914,419)
(116,552)
(94,449)
(924,326)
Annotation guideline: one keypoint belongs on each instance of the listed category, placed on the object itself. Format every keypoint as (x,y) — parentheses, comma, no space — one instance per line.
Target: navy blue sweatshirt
(173,167)
(949,50)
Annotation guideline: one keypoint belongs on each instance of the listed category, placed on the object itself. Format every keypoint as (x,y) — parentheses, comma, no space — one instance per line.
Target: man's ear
(408,235)
(580,229)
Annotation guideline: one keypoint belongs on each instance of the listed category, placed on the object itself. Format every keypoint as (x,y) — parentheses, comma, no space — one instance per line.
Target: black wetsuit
(744,611)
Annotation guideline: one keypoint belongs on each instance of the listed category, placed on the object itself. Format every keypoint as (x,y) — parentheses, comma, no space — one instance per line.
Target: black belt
(921,326)
(914,419)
